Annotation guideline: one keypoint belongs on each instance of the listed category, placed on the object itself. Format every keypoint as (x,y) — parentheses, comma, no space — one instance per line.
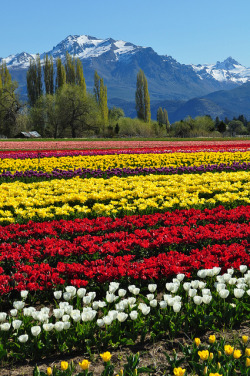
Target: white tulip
(3,316)
(230,271)
(66,325)
(131,301)
(192,292)
(107,320)
(100,323)
(13,312)
(122,293)
(136,291)
(5,327)
(18,304)
(201,285)
(28,311)
(113,314)
(186,286)
(195,284)
(198,300)
(220,279)
(202,273)
(207,299)
(68,309)
(92,295)
(223,293)
(58,294)
(120,306)
(177,298)
(59,326)
(113,286)
(81,292)
(45,310)
(86,299)
(238,293)
(48,327)
(152,287)
(122,316)
(131,287)
(171,302)
(180,276)
(241,286)
(35,330)
(216,270)
(63,305)
(110,297)
(133,315)
(71,290)
(232,281)
(227,277)
(23,338)
(76,315)
(150,296)
(166,297)
(210,273)
(248,292)
(163,304)
(58,312)
(153,303)
(220,286)
(145,310)
(206,292)
(67,296)
(16,324)
(243,268)
(24,294)
(177,307)
(65,318)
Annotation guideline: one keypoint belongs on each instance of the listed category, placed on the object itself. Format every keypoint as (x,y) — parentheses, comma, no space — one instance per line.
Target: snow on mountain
(228,70)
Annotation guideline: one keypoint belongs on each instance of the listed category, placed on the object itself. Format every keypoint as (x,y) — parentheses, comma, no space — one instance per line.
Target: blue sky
(191,31)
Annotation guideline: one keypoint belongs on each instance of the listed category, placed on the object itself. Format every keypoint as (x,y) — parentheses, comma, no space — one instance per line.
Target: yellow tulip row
(135,194)
(104,162)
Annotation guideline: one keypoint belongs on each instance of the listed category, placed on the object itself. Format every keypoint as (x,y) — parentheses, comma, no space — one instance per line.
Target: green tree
(142,98)
(48,72)
(70,70)
(100,94)
(115,113)
(60,74)
(160,116)
(222,127)
(10,105)
(34,80)
(80,80)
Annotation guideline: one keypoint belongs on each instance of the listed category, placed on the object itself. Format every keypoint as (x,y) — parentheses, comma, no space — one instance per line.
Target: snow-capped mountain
(118,62)
(228,70)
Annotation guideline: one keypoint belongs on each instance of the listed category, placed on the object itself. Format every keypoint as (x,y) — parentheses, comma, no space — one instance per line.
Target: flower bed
(85,259)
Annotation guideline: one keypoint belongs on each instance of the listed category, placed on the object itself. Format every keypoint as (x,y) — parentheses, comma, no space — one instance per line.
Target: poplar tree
(80,80)
(101,97)
(48,71)
(160,116)
(142,99)
(165,120)
(70,69)
(60,74)
(34,80)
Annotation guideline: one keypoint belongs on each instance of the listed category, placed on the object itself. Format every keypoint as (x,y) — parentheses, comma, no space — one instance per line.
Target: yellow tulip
(212,339)
(244,339)
(64,365)
(49,371)
(106,356)
(197,341)
(84,364)
(228,349)
(211,356)
(247,362)
(247,352)
(237,354)
(179,371)
(204,354)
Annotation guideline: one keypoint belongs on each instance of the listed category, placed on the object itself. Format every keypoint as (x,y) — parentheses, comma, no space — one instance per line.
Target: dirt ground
(151,355)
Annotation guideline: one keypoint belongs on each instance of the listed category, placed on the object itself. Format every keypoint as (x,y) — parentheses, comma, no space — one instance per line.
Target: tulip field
(108,247)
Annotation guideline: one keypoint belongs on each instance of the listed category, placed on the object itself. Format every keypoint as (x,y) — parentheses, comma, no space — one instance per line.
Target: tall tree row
(100,93)
(34,80)
(142,98)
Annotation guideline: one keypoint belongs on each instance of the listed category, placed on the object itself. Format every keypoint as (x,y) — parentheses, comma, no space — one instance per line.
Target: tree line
(59,105)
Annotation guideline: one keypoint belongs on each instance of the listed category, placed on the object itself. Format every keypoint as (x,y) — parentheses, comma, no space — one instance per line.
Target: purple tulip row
(88,173)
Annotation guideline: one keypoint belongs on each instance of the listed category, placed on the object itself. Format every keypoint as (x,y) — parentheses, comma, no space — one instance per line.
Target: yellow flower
(197,341)
(205,371)
(204,354)
(49,371)
(237,354)
(244,339)
(219,365)
(212,339)
(247,362)
(247,352)
(179,371)
(215,374)
(228,349)
(106,356)
(211,356)
(64,365)
(84,364)
(219,354)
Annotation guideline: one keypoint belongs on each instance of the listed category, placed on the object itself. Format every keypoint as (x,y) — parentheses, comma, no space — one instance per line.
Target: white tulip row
(126,308)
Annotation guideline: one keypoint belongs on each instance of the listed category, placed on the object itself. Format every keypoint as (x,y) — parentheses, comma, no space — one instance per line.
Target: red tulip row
(42,276)
(69,229)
